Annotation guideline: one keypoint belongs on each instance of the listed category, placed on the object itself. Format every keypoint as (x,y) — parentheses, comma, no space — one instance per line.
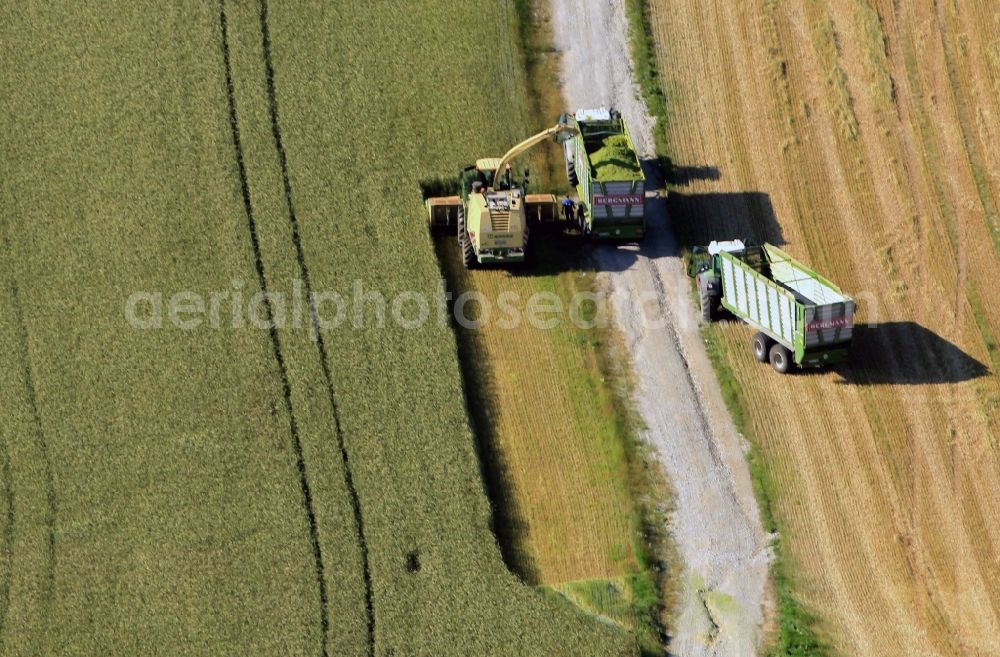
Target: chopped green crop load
(615,159)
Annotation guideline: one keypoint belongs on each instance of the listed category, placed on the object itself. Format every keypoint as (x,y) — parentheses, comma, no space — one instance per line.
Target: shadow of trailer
(906,353)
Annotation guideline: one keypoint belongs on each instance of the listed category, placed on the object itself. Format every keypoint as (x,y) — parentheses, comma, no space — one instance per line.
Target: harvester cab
(491,211)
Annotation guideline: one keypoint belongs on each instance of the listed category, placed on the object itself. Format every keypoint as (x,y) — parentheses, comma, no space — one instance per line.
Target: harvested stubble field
(244,491)
(862,135)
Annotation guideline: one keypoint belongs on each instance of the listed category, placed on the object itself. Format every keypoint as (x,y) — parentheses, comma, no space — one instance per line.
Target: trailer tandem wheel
(761,344)
(781,358)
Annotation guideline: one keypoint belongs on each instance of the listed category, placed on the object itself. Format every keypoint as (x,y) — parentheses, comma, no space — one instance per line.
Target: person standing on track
(569,209)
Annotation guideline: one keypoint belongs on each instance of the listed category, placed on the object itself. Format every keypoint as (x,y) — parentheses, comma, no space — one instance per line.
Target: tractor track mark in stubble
(8,537)
(300,464)
(324,359)
(43,449)
(8,534)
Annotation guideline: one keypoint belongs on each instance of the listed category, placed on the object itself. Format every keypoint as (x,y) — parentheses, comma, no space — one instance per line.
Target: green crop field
(207,491)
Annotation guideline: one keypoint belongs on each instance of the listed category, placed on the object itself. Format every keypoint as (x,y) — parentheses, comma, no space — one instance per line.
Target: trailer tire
(781,358)
(708,302)
(761,344)
(464,243)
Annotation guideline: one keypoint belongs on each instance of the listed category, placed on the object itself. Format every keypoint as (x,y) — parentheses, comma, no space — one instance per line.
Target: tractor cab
(703,258)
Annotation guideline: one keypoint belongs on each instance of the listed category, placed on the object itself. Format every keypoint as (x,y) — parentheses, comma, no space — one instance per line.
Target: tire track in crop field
(41,445)
(307,500)
(8,534)
(8,538)
(324,359)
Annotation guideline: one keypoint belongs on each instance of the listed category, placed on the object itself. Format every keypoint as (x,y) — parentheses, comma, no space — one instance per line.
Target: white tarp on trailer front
(800,280)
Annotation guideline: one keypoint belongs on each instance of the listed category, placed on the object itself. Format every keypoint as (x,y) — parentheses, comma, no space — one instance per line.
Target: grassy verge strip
(541,63)
(651,590)
(647,72)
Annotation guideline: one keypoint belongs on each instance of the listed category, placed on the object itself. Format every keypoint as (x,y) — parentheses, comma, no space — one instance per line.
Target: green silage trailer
(603,167)
(800,317)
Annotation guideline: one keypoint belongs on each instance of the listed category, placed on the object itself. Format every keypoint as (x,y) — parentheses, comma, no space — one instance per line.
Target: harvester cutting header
(492,210)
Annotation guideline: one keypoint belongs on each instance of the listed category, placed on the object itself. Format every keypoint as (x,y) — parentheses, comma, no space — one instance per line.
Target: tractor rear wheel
(708,302)
(761,344)
(781,358)
(464,243)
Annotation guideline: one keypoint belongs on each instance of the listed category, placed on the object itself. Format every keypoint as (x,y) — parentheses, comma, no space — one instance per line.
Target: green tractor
(491,212)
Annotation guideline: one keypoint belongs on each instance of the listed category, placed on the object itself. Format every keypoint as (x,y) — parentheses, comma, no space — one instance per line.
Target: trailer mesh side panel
(759,301)
(787,319)
(729,283)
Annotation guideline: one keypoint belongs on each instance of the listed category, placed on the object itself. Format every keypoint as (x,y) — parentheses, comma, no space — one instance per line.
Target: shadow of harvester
(906,353)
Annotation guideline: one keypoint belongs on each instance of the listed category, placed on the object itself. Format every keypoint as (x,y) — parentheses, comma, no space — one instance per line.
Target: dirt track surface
(715,523)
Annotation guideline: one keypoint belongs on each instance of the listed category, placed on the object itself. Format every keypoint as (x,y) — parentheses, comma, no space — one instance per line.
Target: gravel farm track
(862,134)
(715,522)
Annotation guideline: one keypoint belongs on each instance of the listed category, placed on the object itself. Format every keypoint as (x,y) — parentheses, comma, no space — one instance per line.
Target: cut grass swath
(574,497)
